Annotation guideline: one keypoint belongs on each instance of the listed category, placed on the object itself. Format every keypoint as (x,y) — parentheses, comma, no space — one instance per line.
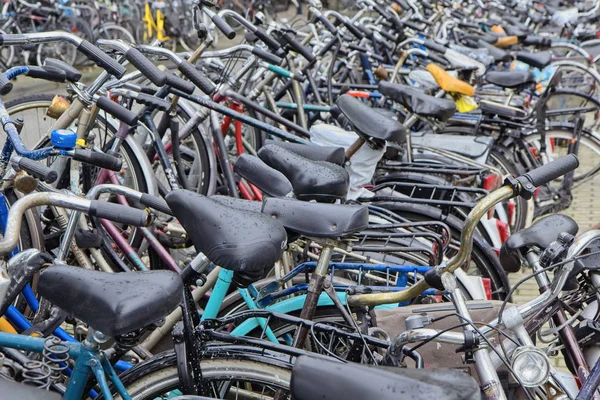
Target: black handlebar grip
(197,77)
(40,171)
(381,10)
(413,26)
(298,48)
(327,24)
(180,84)
(353,29)
(98,159)
(6,86)
(155,102)
(102,59)
(223,27)
(118,111)
(365,31)
(155,203)
(389,36)
(265,55)
(47,73)
(271,43)
(146,67)
(118,213)
(431,45)
(438,59)
(553,170)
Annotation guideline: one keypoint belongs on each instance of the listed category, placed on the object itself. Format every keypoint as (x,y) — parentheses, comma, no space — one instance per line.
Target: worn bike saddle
(330,380)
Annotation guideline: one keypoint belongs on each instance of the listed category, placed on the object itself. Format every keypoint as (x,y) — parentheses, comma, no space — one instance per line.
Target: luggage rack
(444,196)
(434,168)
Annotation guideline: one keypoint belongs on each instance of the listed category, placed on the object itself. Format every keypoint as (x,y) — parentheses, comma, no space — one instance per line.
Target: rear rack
(434,168)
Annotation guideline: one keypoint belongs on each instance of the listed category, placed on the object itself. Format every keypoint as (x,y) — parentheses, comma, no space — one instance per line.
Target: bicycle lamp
(531,366)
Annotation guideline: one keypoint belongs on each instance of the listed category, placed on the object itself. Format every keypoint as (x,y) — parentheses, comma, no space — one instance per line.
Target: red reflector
(491,182)
(356,93)
(536,193)
(74,29)
(487,286)
(497,251)
(503,230)
(534,151)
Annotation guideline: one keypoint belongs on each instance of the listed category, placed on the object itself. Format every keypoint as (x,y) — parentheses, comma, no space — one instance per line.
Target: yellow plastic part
(506,41)
(465,104)
(80,142)
(5,326)
(498,29)
(448,83)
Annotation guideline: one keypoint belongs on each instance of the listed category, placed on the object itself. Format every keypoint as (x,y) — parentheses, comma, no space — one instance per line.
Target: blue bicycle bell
(63,138)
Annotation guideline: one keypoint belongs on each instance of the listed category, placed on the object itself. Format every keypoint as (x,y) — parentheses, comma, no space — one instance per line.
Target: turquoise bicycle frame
(89,360)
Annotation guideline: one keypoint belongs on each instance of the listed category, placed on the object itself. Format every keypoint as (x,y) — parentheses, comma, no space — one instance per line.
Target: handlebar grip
(223,27)
(381,10)
(97,159)
(431,45)
(197,77)
(146,67)
(180,84)
(327,24)
(153,101)
(155,203)
(298,48)
(40,171)
(265,55)
(102,59)
(47,73)
(353,29)
(118,213)
(389,36)
(6,86)
(365,31)
(412,25)
(438,59)
(553,170)
(266,39)
(118,111)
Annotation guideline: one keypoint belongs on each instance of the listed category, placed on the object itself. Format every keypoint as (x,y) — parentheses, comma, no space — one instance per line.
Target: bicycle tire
(154,376)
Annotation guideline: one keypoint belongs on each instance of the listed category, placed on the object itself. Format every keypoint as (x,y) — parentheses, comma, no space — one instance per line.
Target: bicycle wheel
(562,99)
(113,31)
(225,378)
(557,140)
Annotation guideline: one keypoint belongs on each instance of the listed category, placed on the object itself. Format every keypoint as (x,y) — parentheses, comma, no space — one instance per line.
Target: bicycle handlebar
(115,212)
(92,52)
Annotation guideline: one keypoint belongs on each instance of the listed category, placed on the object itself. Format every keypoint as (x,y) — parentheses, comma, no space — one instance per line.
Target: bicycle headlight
(531,365)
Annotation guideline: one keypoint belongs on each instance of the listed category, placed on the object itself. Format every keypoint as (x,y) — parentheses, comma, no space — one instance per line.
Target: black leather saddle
(311,180)
(496,52)
(418,102)
(306,218)
(237,240)
(368,122)
(510,79)
(540,234)
(114,304)
(493,108)
(330,154)
(539,60)
(320,378)
(267,179)
(317,219)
